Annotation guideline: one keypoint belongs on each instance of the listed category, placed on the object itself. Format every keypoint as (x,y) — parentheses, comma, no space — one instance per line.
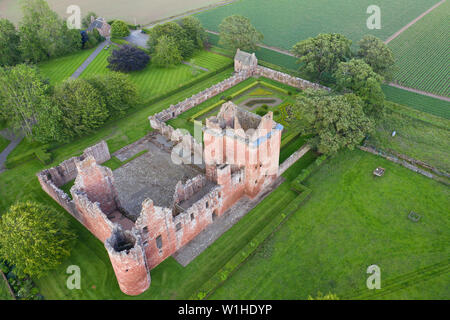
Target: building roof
(244,57)
(97,24)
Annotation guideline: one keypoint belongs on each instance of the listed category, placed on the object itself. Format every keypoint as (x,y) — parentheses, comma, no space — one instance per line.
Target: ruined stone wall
(293,158)
(53,178)
(93,218)
(287,79)
(184,191)
(58,195)
(67,170)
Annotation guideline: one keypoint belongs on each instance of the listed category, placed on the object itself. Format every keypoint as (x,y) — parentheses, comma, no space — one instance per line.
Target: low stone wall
(287,79)
(403,163)
(174,110)
(292,159)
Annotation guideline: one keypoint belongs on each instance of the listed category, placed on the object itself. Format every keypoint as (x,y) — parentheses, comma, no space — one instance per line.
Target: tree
(82,108)
(337,121)
(321,296)
(174,31)
(9,43)
(166,52)
(24,101)
(322,54)
(194,31)
(377,55)
(236,32)
(119,29)
(43,34)
(35,238)
(358,77)
(118,92)
(128,58)
(86,21)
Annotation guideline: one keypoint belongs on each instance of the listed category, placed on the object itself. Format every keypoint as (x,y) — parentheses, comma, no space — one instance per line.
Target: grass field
(143,11)
(422,53)
(59,69)
(418,135)
(417,101)
(285,22)
(4,292)
(352,221)
(3,143)
(153,81)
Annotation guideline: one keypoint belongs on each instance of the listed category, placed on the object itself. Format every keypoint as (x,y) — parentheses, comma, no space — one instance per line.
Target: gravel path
(15,140)
(91,58)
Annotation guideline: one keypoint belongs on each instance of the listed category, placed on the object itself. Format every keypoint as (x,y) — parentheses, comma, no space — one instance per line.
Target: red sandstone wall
(129,266)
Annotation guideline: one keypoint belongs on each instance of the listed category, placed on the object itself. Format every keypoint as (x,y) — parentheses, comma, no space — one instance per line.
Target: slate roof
(244,57)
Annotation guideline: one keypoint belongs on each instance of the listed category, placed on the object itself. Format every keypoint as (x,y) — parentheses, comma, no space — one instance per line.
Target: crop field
(285,22)
(417,101)
(351,221)
(61,68)
(422,53)
(143,11)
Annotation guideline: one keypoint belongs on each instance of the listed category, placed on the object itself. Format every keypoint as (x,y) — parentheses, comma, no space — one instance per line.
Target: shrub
(265,106)
(261,112)
(119,29)
(128,58)
(276,112)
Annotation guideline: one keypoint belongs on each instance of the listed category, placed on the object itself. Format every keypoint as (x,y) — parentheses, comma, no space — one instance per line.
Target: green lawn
(422,53)
(418,135)
(61,68)
(417,101)
(352,221)
(285,22)
(3,143)
(4,292)
(154,81)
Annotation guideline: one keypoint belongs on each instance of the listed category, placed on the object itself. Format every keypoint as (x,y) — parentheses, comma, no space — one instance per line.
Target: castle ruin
(150,208)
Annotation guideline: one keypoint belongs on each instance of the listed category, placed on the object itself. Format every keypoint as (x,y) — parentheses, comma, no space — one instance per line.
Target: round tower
(128,260)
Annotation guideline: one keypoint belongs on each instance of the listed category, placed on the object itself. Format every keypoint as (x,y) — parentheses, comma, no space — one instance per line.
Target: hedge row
(239,258)
(296,184)
(40,154)
(205,110)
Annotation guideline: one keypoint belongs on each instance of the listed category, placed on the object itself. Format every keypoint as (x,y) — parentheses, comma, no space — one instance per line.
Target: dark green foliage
(321,55)
(82,108)
(167,52)
(94,38)
(35,238)
(128,58)
(179,37)
(9,43)
(118,92)
(194,31)
(236,32)
(377,55)
(24,100)
(336,121)
(86,21)
(119,29)
(358,77)
(43,34)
